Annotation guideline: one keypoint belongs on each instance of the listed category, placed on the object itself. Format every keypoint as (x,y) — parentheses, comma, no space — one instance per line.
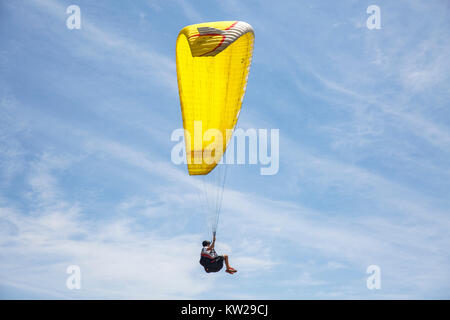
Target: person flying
(211,261)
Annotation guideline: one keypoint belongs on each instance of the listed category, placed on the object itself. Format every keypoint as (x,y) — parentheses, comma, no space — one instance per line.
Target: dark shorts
(213,265)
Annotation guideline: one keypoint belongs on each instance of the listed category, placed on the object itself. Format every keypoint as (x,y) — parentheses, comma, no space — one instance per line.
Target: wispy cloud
(111,255)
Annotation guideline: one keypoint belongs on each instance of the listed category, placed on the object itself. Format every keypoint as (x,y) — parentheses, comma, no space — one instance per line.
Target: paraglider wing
(213,62)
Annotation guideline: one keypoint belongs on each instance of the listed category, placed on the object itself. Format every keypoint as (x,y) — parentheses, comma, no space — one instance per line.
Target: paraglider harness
(211,264)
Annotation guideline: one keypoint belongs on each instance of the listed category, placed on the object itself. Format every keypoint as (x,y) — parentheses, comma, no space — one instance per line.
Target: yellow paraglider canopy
(213,61)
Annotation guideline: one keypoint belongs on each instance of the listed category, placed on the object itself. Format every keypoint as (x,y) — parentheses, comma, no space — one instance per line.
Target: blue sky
(86,177)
